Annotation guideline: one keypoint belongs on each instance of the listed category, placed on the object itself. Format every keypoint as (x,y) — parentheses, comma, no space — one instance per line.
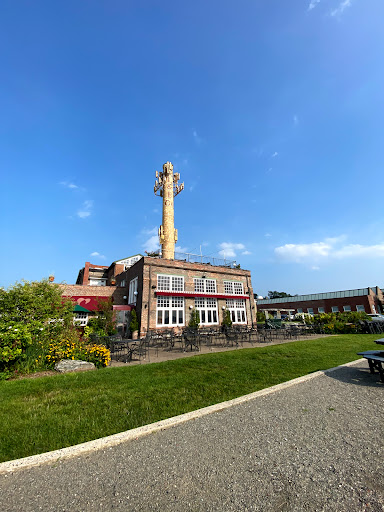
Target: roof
(128,257)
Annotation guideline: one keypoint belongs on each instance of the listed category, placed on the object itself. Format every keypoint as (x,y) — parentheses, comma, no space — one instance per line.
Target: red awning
(122,308)
(88,302)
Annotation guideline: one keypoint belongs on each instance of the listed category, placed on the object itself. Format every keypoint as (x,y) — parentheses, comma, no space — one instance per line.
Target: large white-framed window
(347,308)
(204,285)
(167,283)
(170,311)
(335,309)
(360,308)
(321,310)
(207,308)
(81,319)
(132,296)
(233,287)
(97,282)
(236,308)
(310,311)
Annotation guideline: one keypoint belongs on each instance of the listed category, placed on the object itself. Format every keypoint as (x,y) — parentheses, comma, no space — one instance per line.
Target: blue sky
(272,111)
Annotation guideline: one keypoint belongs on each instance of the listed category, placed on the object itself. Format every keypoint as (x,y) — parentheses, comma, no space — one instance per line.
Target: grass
(47,413)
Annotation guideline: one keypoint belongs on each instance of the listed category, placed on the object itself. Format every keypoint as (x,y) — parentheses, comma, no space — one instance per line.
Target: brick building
(163,292)
(363,299)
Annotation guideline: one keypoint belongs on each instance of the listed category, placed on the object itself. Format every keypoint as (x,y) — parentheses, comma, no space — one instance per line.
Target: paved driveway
(314,446)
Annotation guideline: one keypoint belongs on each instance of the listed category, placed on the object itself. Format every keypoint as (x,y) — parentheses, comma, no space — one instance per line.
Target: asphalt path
(314,446)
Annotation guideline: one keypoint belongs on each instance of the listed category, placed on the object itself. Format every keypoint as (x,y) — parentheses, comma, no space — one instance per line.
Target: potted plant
(194,319)
(134,325)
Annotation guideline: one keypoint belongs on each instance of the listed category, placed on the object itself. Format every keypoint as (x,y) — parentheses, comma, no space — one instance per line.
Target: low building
(368,300)
(99,275)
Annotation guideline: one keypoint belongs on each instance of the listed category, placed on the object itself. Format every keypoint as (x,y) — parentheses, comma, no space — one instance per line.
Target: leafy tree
(104,324)
(31,313)
(278,295)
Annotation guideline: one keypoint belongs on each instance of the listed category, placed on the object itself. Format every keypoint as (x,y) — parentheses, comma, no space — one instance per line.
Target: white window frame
(360,308)
(132,296)
(346,310)
(335,308)
(310,311)
(300,310)
(322,310)
(80,319)
(208,310)
(170,283)
(170,311)
(203,285)
(122,283)
(237,310)
(97,282)
(234,287)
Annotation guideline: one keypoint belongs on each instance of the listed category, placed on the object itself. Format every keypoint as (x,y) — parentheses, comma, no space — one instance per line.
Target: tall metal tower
(167,187)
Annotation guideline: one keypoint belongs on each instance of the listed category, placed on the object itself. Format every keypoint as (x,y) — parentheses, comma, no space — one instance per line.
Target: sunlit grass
(43,414)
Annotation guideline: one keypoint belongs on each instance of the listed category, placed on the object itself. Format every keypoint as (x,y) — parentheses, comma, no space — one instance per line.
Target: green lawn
(43,414)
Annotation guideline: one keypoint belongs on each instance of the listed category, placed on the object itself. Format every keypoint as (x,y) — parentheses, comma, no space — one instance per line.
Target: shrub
(227,321)
(134,322)
(194,319)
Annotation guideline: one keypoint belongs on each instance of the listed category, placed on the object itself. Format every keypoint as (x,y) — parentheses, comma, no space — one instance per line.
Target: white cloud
(341,8)
(313,4)
(152,244)
(246,253)
(267,235)
(330,248)
(98,255)
(68,185)
(300,252)
(315,267)
(360,251)
(275,154)
(197,138)
(228,249)
(86,210)
(181,249)
(153,231)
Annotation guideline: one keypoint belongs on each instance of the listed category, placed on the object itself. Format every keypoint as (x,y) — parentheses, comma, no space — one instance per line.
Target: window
(81,319)
(233,288)
(97,282)
(373,309)
(321,310)
(207,309)
(122,283)
(299,310)
(204,285)
(347,308)
(236,308)
(170,283)
(132,297)
(360,308)
(170,311)
(335,309)
(310,311)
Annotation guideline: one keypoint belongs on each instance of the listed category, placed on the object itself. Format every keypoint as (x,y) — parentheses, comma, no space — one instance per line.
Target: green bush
(194,319)
(227,321)
(134,322)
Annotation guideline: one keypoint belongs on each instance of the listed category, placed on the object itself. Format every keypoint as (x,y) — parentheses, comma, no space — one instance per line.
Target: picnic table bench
(375,360)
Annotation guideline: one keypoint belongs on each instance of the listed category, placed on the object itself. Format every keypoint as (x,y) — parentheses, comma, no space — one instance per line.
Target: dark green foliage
(104,323)
(194,319)
(278,295)
(227,321)
(134,322)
